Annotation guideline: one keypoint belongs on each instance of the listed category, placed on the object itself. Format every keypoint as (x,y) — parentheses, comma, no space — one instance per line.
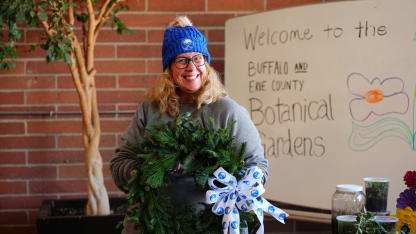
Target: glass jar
(348,199)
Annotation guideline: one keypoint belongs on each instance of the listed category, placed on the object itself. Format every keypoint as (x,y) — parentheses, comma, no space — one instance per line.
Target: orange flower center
(374,96)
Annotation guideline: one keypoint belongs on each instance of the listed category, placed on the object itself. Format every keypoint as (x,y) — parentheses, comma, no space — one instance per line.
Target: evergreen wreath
(182,141)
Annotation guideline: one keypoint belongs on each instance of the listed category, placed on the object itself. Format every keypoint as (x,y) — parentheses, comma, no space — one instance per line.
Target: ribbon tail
(258,210)
(234,223)
(274,211)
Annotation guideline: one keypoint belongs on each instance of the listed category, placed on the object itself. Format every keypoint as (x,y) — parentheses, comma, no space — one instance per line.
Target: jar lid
(349,188)
(385,219)
(347,218)
(376,179)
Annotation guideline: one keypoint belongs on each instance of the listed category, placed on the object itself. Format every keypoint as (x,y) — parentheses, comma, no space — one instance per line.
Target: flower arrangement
(183,146)
(406,205)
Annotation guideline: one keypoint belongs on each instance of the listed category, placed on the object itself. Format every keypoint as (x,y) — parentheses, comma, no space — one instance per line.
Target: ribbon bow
(244,195)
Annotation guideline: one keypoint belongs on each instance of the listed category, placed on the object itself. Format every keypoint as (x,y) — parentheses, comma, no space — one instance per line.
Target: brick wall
(41,156)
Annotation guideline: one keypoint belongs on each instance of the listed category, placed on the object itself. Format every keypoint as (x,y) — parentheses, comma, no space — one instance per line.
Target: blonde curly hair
(166,93)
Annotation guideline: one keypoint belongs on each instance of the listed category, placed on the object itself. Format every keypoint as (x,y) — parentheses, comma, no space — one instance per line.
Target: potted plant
(376,191)
(57,18)
(367,223)
(347,224)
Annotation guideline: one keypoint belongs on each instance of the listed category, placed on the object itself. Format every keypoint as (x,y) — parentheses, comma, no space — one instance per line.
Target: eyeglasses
(183,62)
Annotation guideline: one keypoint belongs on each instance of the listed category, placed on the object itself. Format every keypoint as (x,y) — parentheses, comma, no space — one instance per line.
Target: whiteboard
(331,89)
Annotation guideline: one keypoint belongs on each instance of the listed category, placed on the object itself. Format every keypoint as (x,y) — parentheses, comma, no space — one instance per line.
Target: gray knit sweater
(224,111)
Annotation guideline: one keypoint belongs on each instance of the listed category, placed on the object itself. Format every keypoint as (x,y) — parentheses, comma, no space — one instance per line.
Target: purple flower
(407,198)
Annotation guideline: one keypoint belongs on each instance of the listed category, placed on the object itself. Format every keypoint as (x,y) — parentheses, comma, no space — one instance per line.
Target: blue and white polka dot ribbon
(244,195)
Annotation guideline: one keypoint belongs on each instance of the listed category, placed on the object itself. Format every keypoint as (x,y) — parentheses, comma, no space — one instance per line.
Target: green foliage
(366,224)
(18,13)
(200,151)
(13,13)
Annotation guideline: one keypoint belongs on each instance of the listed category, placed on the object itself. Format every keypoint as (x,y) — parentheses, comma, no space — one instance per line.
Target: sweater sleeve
(124,157)
(225,112)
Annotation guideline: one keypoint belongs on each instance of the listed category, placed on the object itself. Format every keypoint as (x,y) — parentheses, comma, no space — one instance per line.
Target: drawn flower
(410,179)
(407,217)
(378,97)
(407,198)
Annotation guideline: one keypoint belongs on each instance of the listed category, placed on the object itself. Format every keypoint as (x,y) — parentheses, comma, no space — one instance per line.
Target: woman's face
(187,71)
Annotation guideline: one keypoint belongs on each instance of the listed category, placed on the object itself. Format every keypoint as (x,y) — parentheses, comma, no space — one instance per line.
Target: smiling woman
(188,84)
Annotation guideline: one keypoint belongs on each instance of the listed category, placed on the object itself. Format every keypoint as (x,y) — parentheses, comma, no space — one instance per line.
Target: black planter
(50,219)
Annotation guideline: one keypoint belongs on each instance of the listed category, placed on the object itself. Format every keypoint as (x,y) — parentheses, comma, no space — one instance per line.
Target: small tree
(58,19)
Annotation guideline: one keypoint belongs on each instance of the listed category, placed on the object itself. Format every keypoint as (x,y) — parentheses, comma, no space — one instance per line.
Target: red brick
(66,82)
(34,36)
(12,128)
(137,81)
(114,125)
(120,96)
(64,156)
(104,51)
(12,187)
(210,20)
(27,82)
(27,142)
(59,156)
(156,36)
(32,216)
(142,20)
(18,69)
(216,35)
(218,65)
(52,97)
(54,126)
(107,155)
(113,36)
(145,51)
(154,66)
(135,5)
(128,107)
(76,141)
(274,4)
(19,229)
(58,186)
(23,202)
(78,171)
(72,172)
(13,217)
(101,107)
(120,66)
(236,5)
(27,172)
(216,50)
(41,67)
(178,5)
(110,185)
(25,52)
(12,158)
(8,98)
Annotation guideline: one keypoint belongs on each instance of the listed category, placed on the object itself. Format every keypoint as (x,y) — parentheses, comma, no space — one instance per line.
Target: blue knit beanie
(182,40)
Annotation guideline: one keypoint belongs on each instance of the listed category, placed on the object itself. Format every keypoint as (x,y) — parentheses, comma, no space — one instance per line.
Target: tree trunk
(98,203)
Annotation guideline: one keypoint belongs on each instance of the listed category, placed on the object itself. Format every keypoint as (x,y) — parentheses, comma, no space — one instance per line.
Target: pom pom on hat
(178,40)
